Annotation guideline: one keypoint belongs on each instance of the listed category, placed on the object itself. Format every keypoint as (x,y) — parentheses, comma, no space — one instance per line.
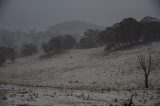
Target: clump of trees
(130,32)
(28,49)
(150,29)
(59,43)
(7,54)
(90,39)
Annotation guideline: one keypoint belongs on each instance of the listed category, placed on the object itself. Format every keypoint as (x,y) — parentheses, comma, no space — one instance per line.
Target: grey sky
(39,14)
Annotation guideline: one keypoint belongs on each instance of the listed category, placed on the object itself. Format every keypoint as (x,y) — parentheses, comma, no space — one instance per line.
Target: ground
(83,77)
(40,96)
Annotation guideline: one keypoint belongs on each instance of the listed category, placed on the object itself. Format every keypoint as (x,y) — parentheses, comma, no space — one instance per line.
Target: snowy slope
(85,69)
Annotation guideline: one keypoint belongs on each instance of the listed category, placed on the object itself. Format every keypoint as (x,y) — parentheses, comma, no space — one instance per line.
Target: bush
(28,49)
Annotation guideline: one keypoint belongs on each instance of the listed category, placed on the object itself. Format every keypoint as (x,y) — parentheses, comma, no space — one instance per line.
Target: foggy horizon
(39,14)
(79,52)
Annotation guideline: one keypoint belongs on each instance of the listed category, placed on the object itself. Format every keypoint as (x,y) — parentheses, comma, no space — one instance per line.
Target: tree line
(126,33)
(130,32)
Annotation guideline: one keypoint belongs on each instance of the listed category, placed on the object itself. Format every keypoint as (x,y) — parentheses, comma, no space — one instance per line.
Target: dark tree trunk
(146,81)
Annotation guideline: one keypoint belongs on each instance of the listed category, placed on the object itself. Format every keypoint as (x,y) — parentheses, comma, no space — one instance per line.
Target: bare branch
(146,67)
(142,63)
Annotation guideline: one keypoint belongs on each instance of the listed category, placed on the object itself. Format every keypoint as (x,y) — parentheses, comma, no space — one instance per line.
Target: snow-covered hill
(81,77)
(85,68)
(73,27)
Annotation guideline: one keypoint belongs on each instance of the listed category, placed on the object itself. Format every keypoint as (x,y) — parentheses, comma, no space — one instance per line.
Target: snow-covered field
(31,96)
(82,77)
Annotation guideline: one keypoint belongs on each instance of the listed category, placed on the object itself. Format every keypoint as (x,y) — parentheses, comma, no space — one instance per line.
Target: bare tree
(146,67)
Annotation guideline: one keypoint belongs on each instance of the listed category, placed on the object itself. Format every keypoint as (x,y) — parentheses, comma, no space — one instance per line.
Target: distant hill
(17,38)
(76,28)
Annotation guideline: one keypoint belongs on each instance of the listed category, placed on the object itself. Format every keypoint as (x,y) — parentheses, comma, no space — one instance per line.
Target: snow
(87,71)
(21,95)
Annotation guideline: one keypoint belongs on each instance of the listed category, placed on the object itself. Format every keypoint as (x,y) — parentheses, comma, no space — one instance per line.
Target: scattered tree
(59,43)
(146,67)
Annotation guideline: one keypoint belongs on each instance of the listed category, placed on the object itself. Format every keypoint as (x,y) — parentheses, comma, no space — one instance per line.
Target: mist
(79,52)
(40,14)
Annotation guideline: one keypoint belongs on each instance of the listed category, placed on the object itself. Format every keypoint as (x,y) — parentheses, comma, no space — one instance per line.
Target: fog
(79,52)
(39,14)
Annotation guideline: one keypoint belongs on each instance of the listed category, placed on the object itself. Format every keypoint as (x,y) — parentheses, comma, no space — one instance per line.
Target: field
(82,77)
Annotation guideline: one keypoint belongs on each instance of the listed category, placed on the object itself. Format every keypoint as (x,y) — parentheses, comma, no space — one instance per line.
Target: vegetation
(129,32)
(150,31)
(59,43)
(126,33)
(7,53)
(2,59)
(146,67)
(28,49)
(90,39)
(11,54)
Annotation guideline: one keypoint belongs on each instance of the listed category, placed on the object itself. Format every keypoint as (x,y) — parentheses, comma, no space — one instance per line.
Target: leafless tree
(146,67)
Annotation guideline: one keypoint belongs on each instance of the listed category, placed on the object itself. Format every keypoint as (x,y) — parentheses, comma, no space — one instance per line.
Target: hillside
(75,28)
(15,39)
(82,77)
(84,67)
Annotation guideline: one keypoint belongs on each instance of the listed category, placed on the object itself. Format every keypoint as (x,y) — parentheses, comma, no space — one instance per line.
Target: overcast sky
(39,14)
